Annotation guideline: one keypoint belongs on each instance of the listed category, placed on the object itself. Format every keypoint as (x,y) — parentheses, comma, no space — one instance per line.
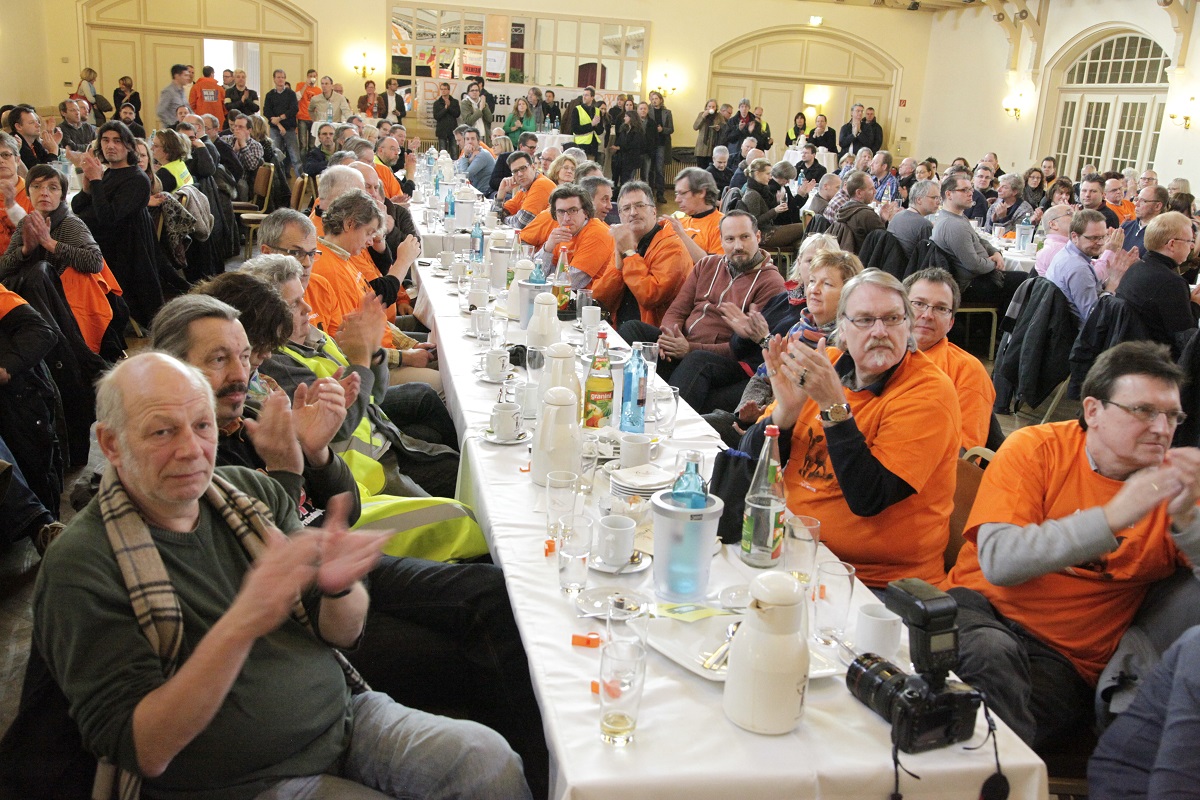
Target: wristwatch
(628,253)
(838,412)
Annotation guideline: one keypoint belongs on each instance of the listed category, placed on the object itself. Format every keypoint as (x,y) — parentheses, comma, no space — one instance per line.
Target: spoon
(719,656)
(633,561)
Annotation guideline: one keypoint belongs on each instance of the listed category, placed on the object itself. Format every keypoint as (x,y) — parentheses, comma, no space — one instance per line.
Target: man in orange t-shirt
(585,240)
(869,437)
(1072,524)
(1114,197)
(304,95)
(935,299)
(530,191)
(649,260)
(699,222)
(537,231)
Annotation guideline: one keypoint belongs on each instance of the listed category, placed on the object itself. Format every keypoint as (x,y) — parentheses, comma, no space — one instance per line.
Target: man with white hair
(173,699)
(547,156)
(751,154)
(914,223)
(1010,208)
(720,170)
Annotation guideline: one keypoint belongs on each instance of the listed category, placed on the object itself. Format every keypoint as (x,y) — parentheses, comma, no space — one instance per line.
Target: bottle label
(597,410)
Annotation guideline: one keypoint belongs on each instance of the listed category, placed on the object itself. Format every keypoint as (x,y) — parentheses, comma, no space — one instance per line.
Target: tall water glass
(561,487)
(622,675)
(666,409)
(574,550)
(832,595)
(801,539)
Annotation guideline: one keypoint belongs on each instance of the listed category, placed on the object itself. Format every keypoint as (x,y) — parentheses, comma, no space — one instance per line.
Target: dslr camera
(926,712)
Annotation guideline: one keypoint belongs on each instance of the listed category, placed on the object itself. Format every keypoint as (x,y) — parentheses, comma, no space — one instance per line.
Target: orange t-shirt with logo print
(913,429)
(705,230)
(1040,473)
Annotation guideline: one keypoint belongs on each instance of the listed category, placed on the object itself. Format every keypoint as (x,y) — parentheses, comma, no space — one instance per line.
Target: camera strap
(996,785)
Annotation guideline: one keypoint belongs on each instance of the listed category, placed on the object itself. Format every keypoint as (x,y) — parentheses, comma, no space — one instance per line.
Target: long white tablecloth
(685,747)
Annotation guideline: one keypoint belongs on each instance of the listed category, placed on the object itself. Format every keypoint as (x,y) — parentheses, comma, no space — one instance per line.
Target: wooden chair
(970,475)
(983,308)
(251,215)
(302,192)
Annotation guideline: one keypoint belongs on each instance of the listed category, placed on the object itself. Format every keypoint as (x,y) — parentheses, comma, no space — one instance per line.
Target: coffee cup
(506,421)
(495,364)
(878,631)
(446,257)
(614,540)
(635,450)
(589,316)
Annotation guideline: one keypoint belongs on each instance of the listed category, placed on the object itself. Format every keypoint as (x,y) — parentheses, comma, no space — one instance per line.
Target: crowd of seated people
(303,374)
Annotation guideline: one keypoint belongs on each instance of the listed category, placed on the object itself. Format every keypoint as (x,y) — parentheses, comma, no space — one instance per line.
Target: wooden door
(161,51)
(730,89)
(780,100)
(296,60)
(113,56)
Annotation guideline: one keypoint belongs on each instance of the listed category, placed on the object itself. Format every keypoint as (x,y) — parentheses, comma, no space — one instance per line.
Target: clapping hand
(93,170)
(346,556)
(273,435)
(752,326)
(351,383)
(673,344)
(319,410)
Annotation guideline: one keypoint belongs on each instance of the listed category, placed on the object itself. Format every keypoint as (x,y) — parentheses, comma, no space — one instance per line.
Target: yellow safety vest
(434,528)
(584,119)
(179,171)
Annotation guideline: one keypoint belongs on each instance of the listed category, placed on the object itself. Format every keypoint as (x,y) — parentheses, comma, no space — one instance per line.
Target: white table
(685,747)
(560,140)
(1014,259)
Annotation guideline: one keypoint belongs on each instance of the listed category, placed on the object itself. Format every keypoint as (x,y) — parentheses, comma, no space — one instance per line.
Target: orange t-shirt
(9,300)
(7,229)
(538,231)
(912,428)
(590,251)
(208,97)
(319,295)
(1041,473)
(391,186)
(1124,210)
(346,284)
(306,96)
(976,394)
(535,200)
(705,230)
(654,280)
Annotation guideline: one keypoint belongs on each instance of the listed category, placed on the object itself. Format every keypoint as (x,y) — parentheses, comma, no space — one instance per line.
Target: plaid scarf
(809,332)
(155,603)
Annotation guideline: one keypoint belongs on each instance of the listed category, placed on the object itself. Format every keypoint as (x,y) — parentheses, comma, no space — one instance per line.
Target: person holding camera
(1072,525)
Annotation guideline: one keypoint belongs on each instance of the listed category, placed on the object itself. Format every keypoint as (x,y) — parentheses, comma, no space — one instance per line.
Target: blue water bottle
(633,392)
(690,489)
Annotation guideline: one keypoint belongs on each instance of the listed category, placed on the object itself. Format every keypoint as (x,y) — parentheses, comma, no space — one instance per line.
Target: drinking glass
(513,392)
(832,594)
(464,292)
(535,364)
(499,330)
(666,408)
(622,675)
(560,497)
(650,356)
(589,460)
(801,538)
(574,550)
(583,297)
(627,618)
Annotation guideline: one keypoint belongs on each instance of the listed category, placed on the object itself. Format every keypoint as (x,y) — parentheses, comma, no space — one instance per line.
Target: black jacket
(445,114)
(1111,322)
(882,250)
(28,403)
(1036,357)
(1160,297)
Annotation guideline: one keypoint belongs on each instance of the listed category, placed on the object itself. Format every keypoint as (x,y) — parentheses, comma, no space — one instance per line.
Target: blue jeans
(402,753)
(286,142)
(657,176)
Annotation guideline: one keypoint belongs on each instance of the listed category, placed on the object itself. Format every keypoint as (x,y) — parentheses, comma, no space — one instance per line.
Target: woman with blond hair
(520,120)
(97,103)
(562,170)
(123,94)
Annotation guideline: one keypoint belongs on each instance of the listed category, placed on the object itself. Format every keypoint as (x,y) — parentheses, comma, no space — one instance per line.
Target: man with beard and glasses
(869,436)
(743,274)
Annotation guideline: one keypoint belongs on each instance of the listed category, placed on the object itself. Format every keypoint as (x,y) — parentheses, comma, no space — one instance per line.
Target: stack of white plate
(641,481)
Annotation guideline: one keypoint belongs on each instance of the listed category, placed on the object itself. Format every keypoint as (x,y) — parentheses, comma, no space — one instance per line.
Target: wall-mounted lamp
(363,70)
(1184,120)
(815,21)
(665,92)
(1012,106)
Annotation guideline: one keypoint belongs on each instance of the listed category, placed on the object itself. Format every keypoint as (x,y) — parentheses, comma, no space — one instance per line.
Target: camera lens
(876,682)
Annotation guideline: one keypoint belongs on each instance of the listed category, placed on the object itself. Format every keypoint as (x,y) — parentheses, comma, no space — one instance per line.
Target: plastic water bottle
(633,392)
(690,490)
(762,523)
(329,113)
(477,243)
(538,275)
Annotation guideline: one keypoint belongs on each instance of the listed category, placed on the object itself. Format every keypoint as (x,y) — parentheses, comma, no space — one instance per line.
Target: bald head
(134,375)
(335,181)
(371,182)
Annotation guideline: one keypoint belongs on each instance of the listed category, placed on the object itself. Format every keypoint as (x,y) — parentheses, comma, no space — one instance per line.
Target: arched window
(1111,104)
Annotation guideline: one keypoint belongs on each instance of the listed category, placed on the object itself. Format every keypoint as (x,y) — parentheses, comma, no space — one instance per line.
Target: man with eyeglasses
(978,266)
(1153,289)
(649,261)
(1148,178)
(935,300)
(1073,524)
(526,193)
(1149,203)
(698,224)
(597,186)
(586,241)
(13,197)
(869,435)
(1072,269)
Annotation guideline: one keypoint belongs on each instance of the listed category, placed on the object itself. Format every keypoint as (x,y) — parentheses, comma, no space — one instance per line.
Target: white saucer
(594,601)
(524,436)
(482,376)
(595,563)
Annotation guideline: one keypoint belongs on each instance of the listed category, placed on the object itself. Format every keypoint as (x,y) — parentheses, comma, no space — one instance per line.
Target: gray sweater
(954,234)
